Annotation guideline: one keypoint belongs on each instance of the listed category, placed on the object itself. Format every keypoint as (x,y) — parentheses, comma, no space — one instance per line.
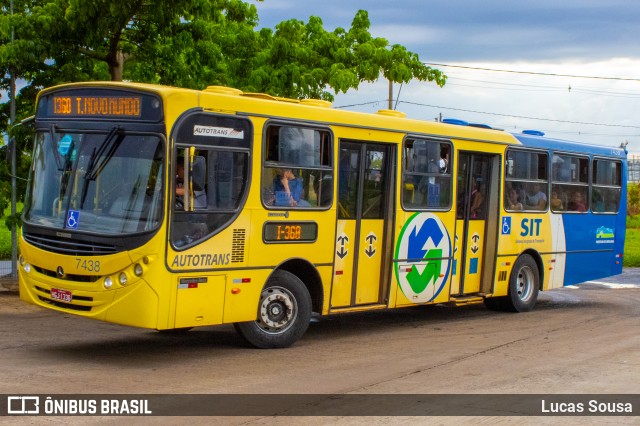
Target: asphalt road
(578,340)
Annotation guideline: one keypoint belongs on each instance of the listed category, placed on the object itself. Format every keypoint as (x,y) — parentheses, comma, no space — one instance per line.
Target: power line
(534,73)
(540,89)
(452,81)
(361,104)
(521,116)
(506,115)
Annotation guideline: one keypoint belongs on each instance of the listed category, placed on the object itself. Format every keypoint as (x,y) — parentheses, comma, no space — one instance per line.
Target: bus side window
(526,170)
(298,168)
(607,185)
(426,178)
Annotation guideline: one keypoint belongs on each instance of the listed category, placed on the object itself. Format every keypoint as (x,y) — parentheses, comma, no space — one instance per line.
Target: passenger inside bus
(513,200)
(597,201)
(477,200)
(288,189)
(556,203)
(444,158)
(535,199)
(577,203)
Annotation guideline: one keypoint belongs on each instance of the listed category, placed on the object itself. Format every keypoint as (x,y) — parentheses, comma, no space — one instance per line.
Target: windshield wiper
(97,162)
(56,154)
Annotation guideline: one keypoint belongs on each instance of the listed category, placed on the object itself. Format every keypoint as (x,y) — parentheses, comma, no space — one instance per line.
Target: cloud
(594,111)
(463,30)
(410,34)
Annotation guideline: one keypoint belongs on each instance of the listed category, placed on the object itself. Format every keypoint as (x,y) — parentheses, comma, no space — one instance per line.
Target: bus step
(466,300)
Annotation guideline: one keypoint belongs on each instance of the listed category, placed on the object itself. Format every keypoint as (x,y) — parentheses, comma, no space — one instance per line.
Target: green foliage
(196,43)
(5,242)
(5,235)
(632,241)
(633,221)
(303,60)
(632,248)
(633,199)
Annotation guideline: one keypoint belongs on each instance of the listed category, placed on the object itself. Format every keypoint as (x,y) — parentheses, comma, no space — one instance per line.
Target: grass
(633,221)
(632,248)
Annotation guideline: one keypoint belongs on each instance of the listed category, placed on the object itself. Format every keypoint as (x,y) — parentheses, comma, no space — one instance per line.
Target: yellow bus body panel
(369,262)
(343,279)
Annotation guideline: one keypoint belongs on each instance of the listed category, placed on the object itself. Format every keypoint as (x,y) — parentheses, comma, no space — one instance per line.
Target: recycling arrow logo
(423,254)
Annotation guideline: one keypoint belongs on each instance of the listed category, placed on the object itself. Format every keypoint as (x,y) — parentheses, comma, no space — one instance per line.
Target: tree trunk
(116,65)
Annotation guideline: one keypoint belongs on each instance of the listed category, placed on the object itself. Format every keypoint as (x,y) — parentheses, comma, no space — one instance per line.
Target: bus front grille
(71,248)
(65,305)
(67,277)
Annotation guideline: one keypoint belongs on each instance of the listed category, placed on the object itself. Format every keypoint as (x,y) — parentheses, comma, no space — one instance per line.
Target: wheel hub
(277,309)
(525,284)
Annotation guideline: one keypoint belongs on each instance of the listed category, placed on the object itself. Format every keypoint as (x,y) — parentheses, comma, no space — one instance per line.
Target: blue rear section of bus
(594,241)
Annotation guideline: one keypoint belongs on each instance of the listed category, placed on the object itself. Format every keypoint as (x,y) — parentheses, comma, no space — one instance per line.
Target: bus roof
(320,111)
(310,110)
(542,142)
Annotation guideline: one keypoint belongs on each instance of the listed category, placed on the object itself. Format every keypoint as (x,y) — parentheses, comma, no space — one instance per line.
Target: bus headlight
(108,282)
(27,268)
(137,270)
(122,278)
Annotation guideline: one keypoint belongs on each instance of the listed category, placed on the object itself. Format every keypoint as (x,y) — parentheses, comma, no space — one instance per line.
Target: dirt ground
(578,340)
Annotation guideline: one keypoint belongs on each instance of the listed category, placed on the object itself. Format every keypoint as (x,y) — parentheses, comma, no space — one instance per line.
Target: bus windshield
(108,183)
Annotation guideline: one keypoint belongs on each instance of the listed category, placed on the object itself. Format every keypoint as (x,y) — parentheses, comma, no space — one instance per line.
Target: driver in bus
(199,197)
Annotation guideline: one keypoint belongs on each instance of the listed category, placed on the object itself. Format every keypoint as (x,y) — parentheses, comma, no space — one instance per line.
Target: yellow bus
(168,208)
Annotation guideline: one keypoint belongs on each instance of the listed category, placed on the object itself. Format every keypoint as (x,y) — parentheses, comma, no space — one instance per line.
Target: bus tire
(524,283)
(284,313)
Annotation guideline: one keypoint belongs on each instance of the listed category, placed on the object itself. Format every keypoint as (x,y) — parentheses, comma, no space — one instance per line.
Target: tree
(304,60)
(188,43)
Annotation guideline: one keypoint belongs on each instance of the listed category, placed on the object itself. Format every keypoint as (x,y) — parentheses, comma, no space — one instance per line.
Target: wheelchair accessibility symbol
(73,217)
(506,225)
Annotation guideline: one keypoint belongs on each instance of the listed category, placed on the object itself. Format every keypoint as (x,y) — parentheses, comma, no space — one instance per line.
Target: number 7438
(88,265)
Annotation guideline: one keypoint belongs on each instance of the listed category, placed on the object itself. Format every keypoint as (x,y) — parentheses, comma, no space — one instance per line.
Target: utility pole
(12,147)
(390,94)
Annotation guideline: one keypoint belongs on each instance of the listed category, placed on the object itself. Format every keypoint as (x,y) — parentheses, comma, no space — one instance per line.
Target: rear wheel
(284,312)
(523,285)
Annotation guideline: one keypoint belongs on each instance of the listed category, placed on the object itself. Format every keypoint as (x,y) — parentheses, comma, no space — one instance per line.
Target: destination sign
(105,106)
(100,103)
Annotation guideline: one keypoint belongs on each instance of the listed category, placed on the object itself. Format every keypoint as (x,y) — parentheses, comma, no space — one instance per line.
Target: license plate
(61,295)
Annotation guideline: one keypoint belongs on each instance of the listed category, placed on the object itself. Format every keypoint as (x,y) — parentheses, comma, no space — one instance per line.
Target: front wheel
(284,312)
(523,285)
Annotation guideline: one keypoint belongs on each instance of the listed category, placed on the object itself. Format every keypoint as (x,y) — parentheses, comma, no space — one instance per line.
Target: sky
(571,39)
